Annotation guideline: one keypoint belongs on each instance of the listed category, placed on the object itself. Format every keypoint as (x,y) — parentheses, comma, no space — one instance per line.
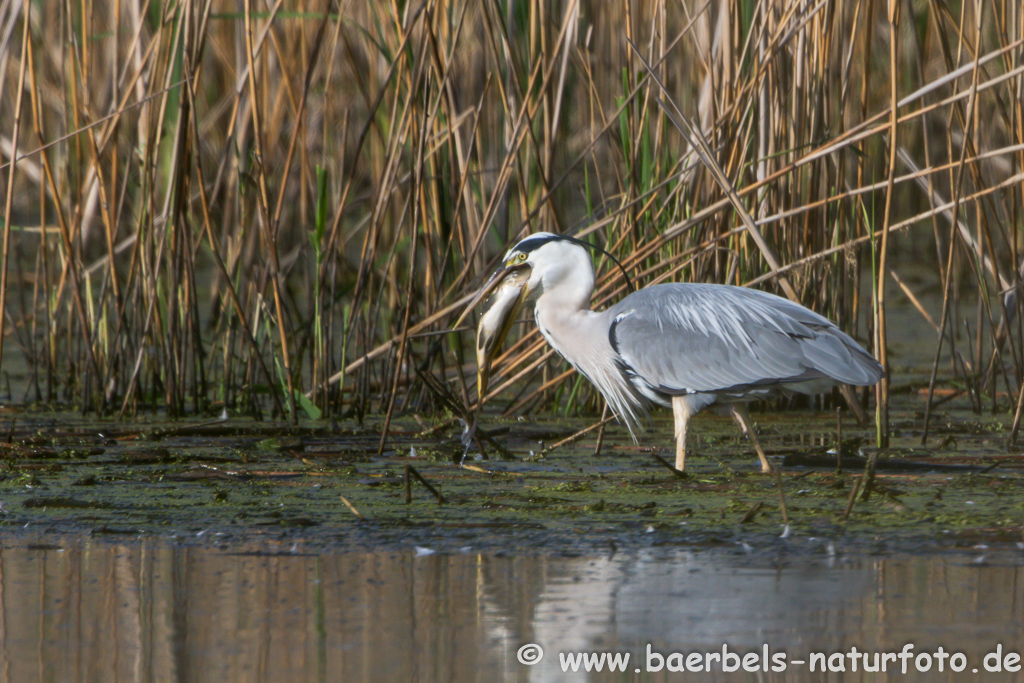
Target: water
(82,608)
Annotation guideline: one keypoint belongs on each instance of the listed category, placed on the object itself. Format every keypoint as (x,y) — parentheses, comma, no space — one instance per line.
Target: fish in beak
(504,296)
(500,312)
(505,293)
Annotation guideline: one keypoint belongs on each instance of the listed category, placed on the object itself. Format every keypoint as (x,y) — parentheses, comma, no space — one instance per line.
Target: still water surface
(87,609)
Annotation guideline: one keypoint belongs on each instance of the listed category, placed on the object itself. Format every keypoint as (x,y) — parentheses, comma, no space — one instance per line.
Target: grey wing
(682,339)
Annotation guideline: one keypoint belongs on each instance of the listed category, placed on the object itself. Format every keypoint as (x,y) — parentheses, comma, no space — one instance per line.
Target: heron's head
(554,262)
(539,263)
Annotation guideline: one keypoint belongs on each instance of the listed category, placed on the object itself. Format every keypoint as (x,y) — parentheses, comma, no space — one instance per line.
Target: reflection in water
(83,609)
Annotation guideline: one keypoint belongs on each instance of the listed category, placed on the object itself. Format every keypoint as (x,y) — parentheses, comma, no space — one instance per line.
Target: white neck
(581,337)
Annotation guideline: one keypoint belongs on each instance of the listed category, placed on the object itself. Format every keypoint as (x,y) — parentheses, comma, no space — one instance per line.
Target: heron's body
(684,346)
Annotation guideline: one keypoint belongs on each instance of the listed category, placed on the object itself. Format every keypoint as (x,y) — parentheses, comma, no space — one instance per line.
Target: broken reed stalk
(782,494)
(605,419)
(1015,427)
(410,470)
(839,442)
(599,442)
(678,474)
(853,497)
(751,513)
(352,507)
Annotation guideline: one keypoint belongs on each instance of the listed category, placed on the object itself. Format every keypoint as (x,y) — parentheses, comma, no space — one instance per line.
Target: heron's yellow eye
(515,259)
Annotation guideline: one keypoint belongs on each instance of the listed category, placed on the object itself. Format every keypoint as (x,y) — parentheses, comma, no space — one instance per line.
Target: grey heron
(682,346)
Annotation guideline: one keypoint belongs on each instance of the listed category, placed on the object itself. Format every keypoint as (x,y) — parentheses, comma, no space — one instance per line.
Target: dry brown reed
(238,205)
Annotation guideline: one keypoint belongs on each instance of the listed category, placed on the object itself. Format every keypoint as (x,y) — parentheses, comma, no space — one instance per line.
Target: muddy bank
(323,484)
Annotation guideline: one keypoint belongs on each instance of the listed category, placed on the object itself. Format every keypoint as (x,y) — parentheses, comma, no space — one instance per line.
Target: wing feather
(692,338)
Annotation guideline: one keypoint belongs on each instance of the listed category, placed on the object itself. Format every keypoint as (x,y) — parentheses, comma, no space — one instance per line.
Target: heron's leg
(739,412)
(682,413)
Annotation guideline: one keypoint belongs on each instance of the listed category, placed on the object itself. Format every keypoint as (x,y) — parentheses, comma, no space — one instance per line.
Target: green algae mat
(328,483)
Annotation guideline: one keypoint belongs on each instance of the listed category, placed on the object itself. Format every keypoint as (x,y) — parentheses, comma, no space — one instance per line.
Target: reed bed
(215,205)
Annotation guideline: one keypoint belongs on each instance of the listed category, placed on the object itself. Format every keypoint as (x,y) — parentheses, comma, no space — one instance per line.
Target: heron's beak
(505,292)
(496,280)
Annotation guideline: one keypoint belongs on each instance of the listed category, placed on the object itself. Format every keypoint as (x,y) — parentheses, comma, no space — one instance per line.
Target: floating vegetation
(335,489)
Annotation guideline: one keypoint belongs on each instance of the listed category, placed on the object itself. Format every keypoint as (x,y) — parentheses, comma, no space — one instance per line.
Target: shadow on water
(82,608)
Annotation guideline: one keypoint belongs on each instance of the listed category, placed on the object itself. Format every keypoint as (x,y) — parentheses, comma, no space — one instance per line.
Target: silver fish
(500,312)
(505,294)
